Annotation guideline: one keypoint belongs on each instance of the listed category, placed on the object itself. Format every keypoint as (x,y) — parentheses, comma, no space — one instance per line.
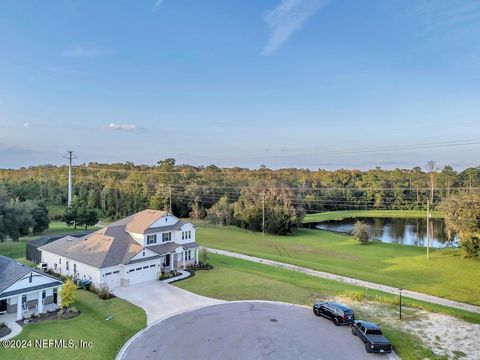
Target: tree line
(235,195)
(21,218)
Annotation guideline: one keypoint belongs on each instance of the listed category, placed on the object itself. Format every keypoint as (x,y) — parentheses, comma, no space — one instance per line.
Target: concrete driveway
(160,300)
(247,330)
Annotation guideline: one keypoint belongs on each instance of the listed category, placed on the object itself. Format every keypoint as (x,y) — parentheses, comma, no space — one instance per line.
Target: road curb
(121,353)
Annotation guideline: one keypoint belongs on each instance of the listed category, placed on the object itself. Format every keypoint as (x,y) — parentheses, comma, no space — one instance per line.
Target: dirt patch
(444,335)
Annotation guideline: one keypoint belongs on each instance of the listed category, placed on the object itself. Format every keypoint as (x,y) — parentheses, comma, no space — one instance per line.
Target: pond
(403,231)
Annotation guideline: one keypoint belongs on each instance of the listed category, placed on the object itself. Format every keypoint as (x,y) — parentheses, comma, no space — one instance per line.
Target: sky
(284,83)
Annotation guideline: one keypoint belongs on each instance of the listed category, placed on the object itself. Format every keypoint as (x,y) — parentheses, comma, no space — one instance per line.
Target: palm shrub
(361,233)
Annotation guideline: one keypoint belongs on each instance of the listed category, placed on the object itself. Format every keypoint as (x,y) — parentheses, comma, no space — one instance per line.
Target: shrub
(67,294)
(471,247)
(203,255)
(361,232)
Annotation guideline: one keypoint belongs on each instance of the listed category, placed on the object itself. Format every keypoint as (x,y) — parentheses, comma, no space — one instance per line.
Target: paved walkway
(183,275)
(366,284)
(160,300)
(9,320)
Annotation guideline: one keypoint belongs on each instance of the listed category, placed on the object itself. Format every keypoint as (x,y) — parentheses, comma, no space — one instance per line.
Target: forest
(120,189)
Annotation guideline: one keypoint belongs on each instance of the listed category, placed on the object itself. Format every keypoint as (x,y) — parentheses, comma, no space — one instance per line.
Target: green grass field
(107,336)
(235,279)
(17,249)
(339,215)
(447,274)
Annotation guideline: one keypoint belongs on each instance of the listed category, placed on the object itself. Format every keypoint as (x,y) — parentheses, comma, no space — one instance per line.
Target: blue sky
(300,83)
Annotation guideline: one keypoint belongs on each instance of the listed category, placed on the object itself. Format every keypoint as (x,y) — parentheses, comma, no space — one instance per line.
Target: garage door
(142,273)
(112,279)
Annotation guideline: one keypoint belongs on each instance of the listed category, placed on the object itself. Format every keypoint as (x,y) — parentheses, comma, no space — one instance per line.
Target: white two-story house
(127,252)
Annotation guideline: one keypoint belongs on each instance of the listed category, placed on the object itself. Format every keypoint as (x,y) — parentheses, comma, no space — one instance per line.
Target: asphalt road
(247,330)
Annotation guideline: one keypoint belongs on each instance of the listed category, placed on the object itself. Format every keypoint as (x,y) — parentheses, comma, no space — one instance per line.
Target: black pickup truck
(372,337)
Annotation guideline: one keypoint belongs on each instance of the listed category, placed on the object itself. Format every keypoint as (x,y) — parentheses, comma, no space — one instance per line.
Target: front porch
(180,259)
(27,304)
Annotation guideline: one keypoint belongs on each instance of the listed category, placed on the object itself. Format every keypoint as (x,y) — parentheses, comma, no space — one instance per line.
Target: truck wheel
(335,321)
(367,348)
(353,332)
(316,311)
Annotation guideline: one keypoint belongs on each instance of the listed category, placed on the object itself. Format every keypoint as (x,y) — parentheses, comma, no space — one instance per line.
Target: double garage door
(142,273)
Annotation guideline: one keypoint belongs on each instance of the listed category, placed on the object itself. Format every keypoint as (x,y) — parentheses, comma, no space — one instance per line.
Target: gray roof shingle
(113,244)
(11,271)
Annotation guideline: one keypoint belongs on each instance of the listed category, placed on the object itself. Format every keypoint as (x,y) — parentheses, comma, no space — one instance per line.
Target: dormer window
(166,237)
(151,239)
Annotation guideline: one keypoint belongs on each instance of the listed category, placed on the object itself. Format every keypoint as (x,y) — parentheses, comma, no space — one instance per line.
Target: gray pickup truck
(372,337)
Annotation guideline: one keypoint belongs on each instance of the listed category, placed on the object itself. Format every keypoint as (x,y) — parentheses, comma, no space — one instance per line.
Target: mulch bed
(56,315)
(4,330)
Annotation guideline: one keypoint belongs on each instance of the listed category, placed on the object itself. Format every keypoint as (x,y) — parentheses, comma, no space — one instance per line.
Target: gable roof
(11,271)
(109,246)
(139,222)
(112,245)
(177,226)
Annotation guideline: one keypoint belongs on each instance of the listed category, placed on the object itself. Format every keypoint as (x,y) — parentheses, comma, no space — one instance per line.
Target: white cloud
(288,17)
(82,51)
(157,5)
(27,124)
(125,127)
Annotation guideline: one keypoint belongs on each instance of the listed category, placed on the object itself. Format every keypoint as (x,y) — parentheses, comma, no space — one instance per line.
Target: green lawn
(107,336)
(235,279)
(446,274)
(17,249)
(339,215)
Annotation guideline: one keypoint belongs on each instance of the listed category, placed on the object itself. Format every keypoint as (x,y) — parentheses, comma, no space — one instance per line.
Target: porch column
(184,254)
(40,302)
(19,307)
(196,256)
(172,259)
(59,297)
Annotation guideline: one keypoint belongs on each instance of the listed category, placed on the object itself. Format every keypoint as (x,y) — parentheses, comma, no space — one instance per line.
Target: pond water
(403,231)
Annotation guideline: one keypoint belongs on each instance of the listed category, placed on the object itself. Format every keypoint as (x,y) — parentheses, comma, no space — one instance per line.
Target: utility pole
(428,229)
(170,199)
(263,213)
(69,155)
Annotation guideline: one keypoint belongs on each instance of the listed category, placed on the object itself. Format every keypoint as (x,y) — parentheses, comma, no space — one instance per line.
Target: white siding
(37,279)
(138,238)
(165,220)
(83,270)
(145,253)
(185,229)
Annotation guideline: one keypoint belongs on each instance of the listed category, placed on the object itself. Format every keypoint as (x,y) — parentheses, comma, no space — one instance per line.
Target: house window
(24,301)
(116,271)
(166,237)
(183,235)
(151,239)
(44,294)
(66,265)
(30,279)
(74,268)
(60,261)
(55,266)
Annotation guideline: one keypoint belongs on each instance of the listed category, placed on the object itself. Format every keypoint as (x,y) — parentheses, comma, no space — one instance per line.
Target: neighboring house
(127,252)
(24,290)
